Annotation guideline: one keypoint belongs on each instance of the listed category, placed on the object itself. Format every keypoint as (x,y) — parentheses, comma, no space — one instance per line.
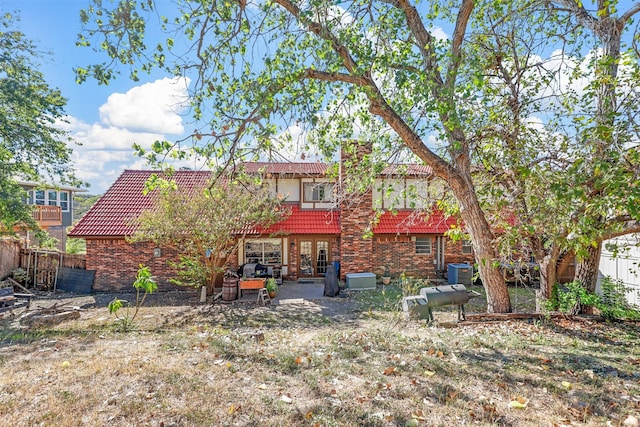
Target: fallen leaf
(566,385)
(517,405)
(309,415)
(286,399)
(262,386)
(429,373)
(418,415)
(391,371)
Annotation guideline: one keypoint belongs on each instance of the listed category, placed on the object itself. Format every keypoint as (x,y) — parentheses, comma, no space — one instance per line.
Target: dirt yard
(352,361)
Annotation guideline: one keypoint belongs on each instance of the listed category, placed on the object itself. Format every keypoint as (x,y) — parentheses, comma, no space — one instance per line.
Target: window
(263,251)
(318,191)
(64,201)
(51,198)
(466,247)
(423,245)
(38,197)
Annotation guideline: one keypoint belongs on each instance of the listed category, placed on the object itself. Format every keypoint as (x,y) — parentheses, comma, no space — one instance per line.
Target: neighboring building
(318,230)
(620,260)
(52,208)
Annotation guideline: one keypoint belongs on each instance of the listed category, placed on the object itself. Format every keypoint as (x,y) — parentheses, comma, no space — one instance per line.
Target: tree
(559,160)
(82,203)
(606,122)
(206,225)
(32,146)
(258,66)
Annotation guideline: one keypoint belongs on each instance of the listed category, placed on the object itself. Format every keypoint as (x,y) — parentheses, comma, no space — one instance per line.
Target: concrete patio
(292,292)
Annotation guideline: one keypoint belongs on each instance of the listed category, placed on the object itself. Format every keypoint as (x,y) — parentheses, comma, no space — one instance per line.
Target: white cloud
(143,115)
(100,137)
(152,107)
(439,33)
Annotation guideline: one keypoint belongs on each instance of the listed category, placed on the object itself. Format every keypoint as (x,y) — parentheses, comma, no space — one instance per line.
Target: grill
(421,305)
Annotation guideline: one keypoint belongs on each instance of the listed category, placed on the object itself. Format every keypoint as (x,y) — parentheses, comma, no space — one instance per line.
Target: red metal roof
(412,222)
(286,168)
(299,221)
(408,170)
(124,201)
(114,214)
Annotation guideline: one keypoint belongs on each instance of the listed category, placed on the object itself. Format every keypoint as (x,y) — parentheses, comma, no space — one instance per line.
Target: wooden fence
(9,255)
(42,266)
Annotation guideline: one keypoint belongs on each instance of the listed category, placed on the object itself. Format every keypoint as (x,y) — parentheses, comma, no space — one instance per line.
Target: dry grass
(343,362)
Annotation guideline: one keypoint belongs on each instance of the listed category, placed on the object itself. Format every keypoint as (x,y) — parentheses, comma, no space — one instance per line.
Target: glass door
(322,256)
(306,259)
(314,257)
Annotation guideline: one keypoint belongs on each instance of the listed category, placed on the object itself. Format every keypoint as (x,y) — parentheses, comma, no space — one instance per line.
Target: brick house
(319,229)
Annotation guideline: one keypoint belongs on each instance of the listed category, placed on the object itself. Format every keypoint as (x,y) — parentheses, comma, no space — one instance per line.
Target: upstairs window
(423,245)
(466,247)
(318,192)
(64,201)
(50,198)
(39,197)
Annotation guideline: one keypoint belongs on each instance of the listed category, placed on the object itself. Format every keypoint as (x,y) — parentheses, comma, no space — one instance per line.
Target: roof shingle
(300,221)
(114,214)
(286,168)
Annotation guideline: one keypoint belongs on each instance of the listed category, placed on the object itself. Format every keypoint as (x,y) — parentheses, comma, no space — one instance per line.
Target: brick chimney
(356,209)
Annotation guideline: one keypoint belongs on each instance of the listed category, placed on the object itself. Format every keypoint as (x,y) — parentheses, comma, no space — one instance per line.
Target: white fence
(625,266)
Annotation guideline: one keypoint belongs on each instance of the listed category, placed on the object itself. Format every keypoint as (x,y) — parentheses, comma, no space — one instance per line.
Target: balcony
(47,216)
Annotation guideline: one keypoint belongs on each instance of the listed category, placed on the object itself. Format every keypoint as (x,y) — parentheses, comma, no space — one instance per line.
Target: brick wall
(116,263)
(399,254)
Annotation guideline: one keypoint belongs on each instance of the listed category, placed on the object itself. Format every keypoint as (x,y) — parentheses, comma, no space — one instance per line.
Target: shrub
(612,303)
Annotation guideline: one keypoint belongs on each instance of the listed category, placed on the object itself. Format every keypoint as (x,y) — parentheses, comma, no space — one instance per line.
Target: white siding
(289,189)
(401,193)
(417,194)
(625,266)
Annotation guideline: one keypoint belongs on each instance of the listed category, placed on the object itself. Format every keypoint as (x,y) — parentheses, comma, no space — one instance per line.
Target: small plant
(386,276)
(144,285)
(272,285)
(612,304)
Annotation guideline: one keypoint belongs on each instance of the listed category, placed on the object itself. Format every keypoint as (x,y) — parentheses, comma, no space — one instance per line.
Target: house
(319,229)
(620,260)
(52,208)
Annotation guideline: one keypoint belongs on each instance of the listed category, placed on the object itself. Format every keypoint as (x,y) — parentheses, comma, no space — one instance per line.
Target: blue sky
(106,120)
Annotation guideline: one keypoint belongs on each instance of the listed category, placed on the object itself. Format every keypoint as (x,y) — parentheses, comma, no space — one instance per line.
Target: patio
(290,292)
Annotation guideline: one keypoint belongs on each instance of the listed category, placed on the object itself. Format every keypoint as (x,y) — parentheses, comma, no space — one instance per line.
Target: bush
(612,303)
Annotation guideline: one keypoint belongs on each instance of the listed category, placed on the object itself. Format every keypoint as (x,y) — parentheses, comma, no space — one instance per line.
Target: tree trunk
(498,300)
(587,272)
(548,265)
(587,268)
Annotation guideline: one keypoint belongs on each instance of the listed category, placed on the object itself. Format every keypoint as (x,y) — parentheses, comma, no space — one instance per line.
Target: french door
(314,256)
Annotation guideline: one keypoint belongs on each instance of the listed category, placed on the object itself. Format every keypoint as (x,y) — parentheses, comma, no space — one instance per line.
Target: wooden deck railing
(47,214)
